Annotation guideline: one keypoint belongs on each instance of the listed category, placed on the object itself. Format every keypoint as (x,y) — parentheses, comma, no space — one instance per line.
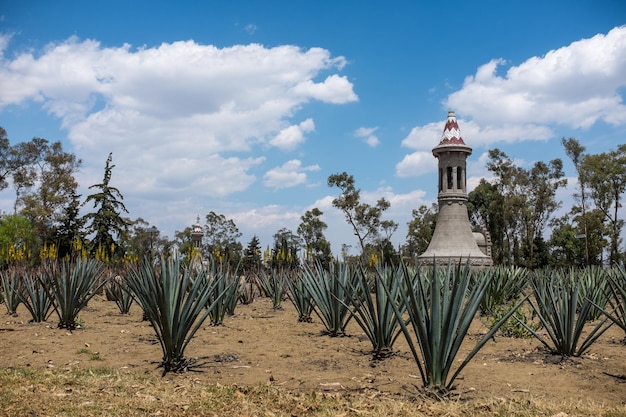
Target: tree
(45,183)
(252,255)
(485,207)
(575,151)
(106,223)
(364,218)
(605,174)
(70,228)
(420,230)
(285,251)
(311,230)
(529,201)
(17,238)
(221,239)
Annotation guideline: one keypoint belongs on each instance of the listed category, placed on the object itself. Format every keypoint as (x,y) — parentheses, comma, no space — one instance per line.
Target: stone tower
(453,239)
(196,235)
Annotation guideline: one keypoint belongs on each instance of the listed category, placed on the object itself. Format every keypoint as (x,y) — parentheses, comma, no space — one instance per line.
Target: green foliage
(564,308)
(106,223)
(506,285)
(273,285)
(516,326)
(35,296)
(72,285)
(175,301)
(11,289)
(17,239)
(441,307)
(300,297)
(311,230)
(616,290)
(365,219)
(330,291)
(224,293)
(117,290)
(373,307)
(420,230)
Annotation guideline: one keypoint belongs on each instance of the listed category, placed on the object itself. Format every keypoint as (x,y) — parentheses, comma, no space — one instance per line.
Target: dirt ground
(259,345)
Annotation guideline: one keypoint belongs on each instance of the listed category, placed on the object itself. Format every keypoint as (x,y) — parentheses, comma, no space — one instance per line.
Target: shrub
(175,301)
(11,289)
(440,309)
(72,285)
(564,308)
(35,296)
(330,291)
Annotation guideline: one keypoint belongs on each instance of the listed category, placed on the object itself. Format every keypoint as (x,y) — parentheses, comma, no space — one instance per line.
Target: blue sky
(246,107)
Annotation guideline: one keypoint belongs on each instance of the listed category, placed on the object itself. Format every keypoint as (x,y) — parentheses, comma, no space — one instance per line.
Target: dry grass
(94,391)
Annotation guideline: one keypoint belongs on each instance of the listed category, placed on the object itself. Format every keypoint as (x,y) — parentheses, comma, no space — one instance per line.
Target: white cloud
(416,163)
(290,137)
(367,134)
(288,175)
(175,108)
(576,85)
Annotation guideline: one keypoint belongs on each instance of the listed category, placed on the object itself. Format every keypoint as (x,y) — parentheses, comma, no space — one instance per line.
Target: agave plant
(616,291)
(72,285)
(506,285)
(117,290)
(330,291)
(35,296)
(175,301)
(224,289)
(301,298)
(11,288)
(273,285)
(590,279)
(564,309)
(440,309)
(373,307)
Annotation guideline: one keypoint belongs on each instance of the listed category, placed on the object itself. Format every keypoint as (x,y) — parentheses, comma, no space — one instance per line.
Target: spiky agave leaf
(300,297)
(72,285)
(440,310)
(616,291)
(372,308)
(175,301)
(564,309)
(329,291)
(35,296)
(11,282)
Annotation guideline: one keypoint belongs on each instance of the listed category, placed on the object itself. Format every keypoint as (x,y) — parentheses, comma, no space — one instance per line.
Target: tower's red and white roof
(451,132)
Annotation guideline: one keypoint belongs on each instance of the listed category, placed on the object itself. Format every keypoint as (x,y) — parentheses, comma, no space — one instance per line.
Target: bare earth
(262,346)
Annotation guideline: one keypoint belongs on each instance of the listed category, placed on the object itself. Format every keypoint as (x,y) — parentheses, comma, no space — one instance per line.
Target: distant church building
(453,239)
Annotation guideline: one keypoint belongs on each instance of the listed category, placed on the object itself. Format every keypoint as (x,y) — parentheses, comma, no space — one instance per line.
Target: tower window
(450,179)
(459,178)
(440,179)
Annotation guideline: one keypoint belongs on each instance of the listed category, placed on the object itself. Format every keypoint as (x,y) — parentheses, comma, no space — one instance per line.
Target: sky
(245,108)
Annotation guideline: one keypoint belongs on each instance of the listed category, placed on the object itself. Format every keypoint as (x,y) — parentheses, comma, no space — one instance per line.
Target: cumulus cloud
(288,175)
(290,137)
(367,134)
(576,85)
(177,106)
(573,86)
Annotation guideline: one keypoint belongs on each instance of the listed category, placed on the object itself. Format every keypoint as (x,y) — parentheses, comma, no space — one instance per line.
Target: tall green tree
(311,230)
(420,230)
(70,228)
(221,239)
(365,219)
(106,223)
(485,207)
(252,255)
(529,201)
(18,238)
(285,251)
(47,185)
(605,174)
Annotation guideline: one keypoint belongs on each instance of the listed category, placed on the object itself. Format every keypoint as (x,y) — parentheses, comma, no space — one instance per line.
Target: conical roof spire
(451,132)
